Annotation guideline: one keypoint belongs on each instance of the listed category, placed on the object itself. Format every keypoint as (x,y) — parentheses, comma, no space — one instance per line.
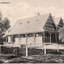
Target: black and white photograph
(31,31)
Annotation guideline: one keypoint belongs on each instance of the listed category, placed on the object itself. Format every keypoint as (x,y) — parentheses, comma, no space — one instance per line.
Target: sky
(20,9)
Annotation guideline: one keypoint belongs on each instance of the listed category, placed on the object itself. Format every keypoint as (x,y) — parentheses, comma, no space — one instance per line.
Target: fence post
(44,49)
(26,50)
(42,46)
(30,45)
(0,49)
(57,47)
(26,46)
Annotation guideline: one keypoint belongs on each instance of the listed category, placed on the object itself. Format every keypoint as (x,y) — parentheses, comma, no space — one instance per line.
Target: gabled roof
(29,25)
(57,20)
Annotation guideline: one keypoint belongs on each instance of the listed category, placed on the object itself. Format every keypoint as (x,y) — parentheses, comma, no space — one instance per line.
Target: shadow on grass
(49,51)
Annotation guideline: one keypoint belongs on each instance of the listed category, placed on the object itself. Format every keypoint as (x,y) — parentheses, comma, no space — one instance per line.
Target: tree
(61,34)
(6,24)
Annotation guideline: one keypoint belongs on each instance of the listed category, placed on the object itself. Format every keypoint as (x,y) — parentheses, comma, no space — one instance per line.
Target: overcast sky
(19,9)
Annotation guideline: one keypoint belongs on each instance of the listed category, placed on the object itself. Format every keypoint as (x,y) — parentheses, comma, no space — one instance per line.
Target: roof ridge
(34,16)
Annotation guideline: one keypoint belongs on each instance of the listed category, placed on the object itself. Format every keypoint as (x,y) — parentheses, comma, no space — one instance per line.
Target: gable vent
(20,23)
(37,20)
(28,21)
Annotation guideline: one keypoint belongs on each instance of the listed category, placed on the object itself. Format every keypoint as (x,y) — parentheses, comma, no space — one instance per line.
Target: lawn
(35,56)
(48,58)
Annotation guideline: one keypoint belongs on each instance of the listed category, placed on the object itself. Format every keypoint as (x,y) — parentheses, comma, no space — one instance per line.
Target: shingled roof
(29,25)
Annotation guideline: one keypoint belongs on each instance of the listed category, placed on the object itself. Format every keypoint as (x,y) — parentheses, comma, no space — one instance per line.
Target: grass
(36,56)
(48,58)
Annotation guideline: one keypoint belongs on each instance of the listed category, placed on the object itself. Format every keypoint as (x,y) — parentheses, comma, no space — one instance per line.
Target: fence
(42,46)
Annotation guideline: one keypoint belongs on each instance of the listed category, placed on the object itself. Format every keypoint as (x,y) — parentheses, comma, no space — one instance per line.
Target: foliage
(61,34)
(6,24)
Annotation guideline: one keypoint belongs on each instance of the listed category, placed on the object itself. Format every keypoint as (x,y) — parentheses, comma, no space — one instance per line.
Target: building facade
(35,30)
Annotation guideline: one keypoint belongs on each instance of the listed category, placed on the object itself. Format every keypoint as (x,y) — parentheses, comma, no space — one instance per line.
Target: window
(23,35)
(39,34)
(30,35)
(36,34)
